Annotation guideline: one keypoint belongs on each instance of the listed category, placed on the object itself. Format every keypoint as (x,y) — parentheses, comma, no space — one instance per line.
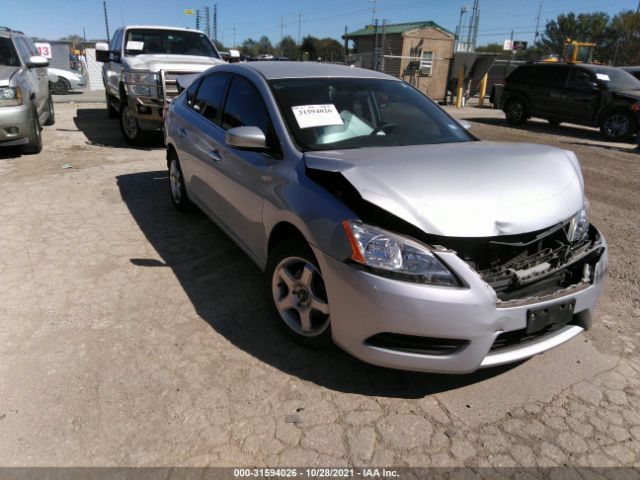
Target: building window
(426,63)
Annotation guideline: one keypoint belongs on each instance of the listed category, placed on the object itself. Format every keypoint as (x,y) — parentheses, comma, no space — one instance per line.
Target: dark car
(633,70)
(594,95)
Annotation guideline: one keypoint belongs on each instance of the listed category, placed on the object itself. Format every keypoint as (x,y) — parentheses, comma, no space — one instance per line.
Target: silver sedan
(383,224)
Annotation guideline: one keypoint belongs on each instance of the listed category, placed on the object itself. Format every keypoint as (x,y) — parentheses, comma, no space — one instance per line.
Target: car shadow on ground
(104,131)
(7,153)
(228,291)
(541,126)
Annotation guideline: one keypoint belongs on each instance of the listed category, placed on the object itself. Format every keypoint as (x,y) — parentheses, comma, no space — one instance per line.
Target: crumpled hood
(6,73)
(181,63)
(470,189)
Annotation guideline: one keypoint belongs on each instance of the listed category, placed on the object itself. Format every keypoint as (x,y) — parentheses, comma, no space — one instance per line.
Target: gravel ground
(131,335)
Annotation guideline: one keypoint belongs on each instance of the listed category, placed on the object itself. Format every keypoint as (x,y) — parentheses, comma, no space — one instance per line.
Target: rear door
(199,138)
(548,89)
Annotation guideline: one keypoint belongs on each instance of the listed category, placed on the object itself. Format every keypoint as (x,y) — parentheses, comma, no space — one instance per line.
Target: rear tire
(178,188)
(516,111)
(61,87)
(618,126)
(297,295)
(35,135)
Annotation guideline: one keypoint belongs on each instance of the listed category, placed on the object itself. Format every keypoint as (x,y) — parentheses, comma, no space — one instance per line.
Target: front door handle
(182,132)
(215,155)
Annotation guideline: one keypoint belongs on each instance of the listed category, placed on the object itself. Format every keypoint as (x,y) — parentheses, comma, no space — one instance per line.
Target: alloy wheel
(300,296)
(129,124)
(175,180)
(616,125)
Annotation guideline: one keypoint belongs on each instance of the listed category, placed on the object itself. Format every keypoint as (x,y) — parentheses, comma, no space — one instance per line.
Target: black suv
(594,95)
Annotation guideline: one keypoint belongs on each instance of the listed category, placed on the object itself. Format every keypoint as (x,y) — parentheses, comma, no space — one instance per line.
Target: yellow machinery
(578,52)
(574,52)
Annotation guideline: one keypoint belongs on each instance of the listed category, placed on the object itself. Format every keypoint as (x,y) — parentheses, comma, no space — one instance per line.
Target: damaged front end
(530,265)
(518,267)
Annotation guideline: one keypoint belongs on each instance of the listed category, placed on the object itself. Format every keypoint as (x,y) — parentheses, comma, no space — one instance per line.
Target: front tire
(112,112)
(298,295)
(129,125)
(179,195)
(516,111)
(35,135)
(51,117)
(618,126)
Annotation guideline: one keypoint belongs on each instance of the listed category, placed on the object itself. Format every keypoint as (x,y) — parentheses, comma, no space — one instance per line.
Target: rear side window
(554,76)
(519,74)
(244,107)
(210,95)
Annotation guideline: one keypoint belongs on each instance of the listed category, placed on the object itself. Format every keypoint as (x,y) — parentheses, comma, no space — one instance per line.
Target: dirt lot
(132,335)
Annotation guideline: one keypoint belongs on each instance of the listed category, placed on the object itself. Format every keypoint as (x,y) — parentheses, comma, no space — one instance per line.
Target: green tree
(490,48)
(329,49)
(584,27)
(623,46)
(250,48)
(265,46)
(219,45)
(308,48)
(288,48)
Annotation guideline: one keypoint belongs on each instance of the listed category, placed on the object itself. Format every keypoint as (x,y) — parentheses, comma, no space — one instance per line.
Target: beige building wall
(428,40)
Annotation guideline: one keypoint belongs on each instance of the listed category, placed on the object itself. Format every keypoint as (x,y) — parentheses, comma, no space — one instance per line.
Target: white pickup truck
(140,68)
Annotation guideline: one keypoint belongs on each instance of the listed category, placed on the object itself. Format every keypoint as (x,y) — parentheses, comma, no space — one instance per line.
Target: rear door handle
(182,132)
(215,155)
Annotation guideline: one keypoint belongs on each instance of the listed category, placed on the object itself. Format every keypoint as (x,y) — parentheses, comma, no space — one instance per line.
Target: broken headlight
(579,224)
(386,252)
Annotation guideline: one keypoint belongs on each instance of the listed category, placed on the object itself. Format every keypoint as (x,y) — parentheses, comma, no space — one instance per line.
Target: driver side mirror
(37,62)
(247,138)
(102,52)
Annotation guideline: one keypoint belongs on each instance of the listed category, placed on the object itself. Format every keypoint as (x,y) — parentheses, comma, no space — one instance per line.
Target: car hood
(470,189)
(6,72)
(181,63)
(630,94)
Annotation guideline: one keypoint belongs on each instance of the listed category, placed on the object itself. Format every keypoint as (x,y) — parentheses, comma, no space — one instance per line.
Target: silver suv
(25,100)
(140,69)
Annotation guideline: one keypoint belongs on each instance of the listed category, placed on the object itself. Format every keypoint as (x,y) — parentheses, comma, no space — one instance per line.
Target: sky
(239,19)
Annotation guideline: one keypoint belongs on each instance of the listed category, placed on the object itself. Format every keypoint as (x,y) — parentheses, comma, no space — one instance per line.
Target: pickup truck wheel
(617,126)
(112,112)
(35,135)
(298,295)
(129,125)
(179,195)
(61,87)
(516,111)
(51,117)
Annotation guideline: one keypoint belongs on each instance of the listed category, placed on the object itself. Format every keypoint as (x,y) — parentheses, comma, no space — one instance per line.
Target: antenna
(106,19)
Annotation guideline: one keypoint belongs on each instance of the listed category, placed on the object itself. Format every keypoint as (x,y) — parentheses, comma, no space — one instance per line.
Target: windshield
(169,42)
(338,113)
(8,54)
(617,79)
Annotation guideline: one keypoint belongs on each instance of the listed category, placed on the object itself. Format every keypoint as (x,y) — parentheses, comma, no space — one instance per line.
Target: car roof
(291,69)
(162,27)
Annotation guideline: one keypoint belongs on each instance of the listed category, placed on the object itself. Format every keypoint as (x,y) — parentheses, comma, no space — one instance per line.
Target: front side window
(616,79)
(244,107)
(8,54)
(426,63)
(168,42)
(208,101)
(339,113)
(580,80)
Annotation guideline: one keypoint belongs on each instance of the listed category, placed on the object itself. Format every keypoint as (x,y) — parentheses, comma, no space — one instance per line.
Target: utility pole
(234,37)
(207,23)
(299,24)
(215,21)
(463,11)
(535,37)
(197,19)
(375,47)
(384,34)
(281,29)
(346,44)
(106,19)
(373,11)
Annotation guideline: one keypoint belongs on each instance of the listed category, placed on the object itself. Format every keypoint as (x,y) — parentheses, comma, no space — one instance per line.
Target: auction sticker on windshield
(309,116)
(135,45)
(602,76)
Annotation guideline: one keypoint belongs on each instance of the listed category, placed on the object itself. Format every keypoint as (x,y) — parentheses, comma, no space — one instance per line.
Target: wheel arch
(281,232)
(171,153)
(616,108)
